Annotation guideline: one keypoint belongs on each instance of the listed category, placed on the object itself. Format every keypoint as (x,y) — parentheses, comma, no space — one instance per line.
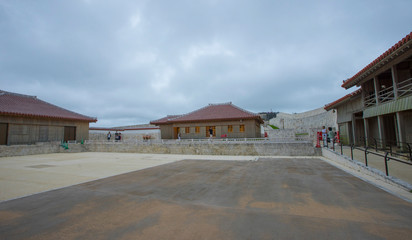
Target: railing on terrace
(297,139)
(386,94)
(370,100)
(405,88)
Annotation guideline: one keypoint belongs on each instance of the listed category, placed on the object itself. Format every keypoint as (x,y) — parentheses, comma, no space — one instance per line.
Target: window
(197,129)
(230,128)
(241,128)
(187,129)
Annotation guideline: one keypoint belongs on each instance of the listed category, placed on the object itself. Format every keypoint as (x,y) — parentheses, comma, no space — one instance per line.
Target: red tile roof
(122,129)
(165,120)
(212,112)
(14,104)
(386,56)
(341,100)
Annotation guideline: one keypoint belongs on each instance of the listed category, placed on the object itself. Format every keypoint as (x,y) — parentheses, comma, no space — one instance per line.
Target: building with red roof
(26,119)
(223,120)
(380,111)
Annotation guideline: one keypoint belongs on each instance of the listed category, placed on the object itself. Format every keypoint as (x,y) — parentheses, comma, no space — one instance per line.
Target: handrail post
(410,152)
(386,163)
(376,144)
(366,156)
(351,151)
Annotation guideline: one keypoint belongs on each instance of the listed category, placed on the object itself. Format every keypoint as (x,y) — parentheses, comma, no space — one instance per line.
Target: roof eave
(343,100)
(49,117)
(391,54)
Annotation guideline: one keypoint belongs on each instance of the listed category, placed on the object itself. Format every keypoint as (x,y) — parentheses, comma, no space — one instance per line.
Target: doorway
(3,133)
(176,131)
(208,133)
(69,134)
(389,130)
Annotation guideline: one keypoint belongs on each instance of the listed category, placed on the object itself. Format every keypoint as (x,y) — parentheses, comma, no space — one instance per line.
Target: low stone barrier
(21,150)
(247,149)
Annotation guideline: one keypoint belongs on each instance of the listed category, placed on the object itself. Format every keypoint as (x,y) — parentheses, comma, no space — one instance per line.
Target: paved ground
(288,198)
(26,175)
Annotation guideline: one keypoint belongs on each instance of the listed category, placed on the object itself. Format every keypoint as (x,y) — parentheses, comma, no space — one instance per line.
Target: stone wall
(249,149)
(38,148)
(213,148)
(304,125)
(301,122)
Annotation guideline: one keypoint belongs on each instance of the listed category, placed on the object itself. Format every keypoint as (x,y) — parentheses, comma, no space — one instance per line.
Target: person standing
(109,135)
(331,135)
(211,132)
(324,136)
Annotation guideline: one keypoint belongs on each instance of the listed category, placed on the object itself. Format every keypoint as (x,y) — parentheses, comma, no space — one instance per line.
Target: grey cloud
(129,62)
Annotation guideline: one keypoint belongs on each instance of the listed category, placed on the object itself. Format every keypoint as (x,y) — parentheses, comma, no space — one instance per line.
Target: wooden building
(226,121)
(26,120)
(380,111)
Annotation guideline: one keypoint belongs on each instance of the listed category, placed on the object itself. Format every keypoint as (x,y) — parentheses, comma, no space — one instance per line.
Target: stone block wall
(303,122)
(248,149)
(21,150)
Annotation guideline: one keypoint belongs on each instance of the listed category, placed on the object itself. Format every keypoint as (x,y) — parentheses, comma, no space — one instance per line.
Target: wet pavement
(201,199)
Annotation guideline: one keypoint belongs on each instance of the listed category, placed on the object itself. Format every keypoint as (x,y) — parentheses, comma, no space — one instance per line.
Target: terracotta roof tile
(212,112)
(352,81)
(342,99)
(30,106)
(164,119)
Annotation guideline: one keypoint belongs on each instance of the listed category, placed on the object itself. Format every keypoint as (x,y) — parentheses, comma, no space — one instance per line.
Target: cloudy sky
(129,62)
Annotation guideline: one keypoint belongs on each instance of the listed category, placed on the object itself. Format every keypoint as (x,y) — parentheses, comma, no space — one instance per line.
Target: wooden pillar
(380,131)
(353,140)
(375,84)
(399,129)
(365,122)
(394,72)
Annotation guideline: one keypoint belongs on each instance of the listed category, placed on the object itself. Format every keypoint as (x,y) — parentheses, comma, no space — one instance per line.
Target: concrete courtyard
(197,198)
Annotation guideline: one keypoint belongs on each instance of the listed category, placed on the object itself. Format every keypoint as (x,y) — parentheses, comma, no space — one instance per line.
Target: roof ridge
(185,114)
(2,92)
(218,104)
(244,110)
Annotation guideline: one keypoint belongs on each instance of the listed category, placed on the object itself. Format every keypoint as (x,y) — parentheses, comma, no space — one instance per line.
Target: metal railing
(395,148)
(386,155)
